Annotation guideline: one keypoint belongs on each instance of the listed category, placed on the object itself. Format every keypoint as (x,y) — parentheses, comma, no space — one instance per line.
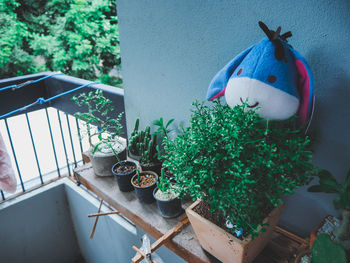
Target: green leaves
(98,122)
(80,38)
(163,129)
(324,250)
(328,184)
(224,159)
(164,183)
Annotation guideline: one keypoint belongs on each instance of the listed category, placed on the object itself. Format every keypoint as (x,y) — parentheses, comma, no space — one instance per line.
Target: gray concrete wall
(114,236)
(37,227)
(51,225)
(171,50)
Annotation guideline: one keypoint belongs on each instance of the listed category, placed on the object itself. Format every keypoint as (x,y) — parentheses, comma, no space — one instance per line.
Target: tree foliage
(77,37)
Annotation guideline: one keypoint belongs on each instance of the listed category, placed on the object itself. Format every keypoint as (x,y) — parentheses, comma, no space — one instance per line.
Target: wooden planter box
(225,246)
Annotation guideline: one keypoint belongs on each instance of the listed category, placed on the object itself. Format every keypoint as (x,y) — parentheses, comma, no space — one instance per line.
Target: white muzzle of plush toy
(270,103)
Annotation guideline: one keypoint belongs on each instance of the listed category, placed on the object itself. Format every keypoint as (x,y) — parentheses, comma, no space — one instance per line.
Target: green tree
(77,37)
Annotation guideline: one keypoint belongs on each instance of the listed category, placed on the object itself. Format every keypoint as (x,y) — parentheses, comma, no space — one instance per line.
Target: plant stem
(342,231)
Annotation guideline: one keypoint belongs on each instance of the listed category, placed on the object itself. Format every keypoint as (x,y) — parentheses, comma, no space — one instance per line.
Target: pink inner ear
(221,93)
(304,91)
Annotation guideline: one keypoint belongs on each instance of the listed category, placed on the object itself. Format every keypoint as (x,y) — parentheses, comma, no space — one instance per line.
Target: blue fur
(258,62)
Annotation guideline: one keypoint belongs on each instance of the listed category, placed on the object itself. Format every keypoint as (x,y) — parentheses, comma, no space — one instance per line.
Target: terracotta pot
(225,246)
(313,234)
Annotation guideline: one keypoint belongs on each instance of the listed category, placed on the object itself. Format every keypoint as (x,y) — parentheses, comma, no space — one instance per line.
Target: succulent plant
(149,151)
(143,144)
(325,251)
(328,184)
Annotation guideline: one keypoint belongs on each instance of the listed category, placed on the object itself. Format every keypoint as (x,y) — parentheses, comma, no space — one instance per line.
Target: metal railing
(60,130)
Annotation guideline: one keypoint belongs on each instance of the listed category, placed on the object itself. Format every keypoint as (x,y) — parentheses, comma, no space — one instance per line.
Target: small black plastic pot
(154,167)
(168,208)
(124,179)
(145,194)
(134,156)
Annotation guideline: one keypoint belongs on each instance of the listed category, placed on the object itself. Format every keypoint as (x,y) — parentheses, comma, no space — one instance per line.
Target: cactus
(325,251)
(149,149)
(136,139)
(141,143)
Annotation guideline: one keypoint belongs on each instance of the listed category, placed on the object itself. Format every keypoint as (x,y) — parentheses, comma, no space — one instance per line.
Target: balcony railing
(43,140)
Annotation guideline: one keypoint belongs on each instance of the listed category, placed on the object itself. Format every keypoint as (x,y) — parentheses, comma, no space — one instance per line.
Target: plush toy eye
(239,72)
(271,79)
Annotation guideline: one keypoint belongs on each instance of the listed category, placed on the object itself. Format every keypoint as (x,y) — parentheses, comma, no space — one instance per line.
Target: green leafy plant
(328,184)
(325,251)
(77,37)
(224,159)
(99,124)
(163,132)
(164,183)
(163,129)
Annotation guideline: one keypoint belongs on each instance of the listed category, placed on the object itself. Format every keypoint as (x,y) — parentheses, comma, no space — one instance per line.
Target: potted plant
(123,171)
(167,197)
(324,250)
(106,145)
(163,131)
(144,184)
(143,148)
(328,184)
(135,139)
(238,176)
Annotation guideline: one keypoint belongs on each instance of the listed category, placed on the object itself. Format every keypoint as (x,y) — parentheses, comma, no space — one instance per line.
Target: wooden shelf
(146,216)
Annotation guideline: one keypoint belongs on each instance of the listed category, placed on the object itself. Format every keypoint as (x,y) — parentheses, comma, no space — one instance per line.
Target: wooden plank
(282,247)
(146,216)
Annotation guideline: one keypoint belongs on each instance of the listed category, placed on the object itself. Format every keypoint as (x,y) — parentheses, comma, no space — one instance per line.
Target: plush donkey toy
(269,75)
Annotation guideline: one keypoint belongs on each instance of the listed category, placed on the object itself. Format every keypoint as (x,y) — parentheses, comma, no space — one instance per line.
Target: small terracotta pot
(225,246)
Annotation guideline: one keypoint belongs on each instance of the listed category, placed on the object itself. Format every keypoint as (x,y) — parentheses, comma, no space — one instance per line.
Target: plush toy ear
(305,87)
(218,84)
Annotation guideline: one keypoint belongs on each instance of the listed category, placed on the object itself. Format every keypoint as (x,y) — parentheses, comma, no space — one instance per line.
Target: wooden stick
(104,214)
(163,239)
(96,219)
(291,235)
(139,251)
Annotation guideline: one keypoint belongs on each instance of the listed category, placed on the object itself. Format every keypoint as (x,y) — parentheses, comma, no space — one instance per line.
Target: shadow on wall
(331,123)
(331,130)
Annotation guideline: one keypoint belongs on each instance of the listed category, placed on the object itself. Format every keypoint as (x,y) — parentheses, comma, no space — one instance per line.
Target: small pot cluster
(145,184)
(230,160)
